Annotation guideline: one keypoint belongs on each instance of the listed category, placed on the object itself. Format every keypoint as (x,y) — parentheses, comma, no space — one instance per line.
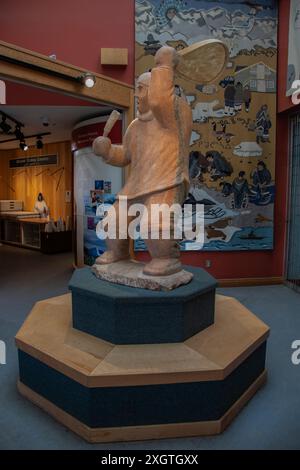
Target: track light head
(22,138)
(88,80)
(18,133)
(39,143)
(23,145)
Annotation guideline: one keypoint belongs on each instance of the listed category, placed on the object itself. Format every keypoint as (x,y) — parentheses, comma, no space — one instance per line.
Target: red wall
(283,102)
(26,95)
(76,31)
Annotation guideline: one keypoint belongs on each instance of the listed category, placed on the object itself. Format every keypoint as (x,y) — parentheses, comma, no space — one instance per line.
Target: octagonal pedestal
(106,392)
(127,315)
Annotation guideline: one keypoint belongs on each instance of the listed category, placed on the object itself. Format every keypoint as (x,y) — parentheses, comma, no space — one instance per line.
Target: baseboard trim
(251,281)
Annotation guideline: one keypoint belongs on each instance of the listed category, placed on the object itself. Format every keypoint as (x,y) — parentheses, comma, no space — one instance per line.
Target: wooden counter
(29,232)
(34,220)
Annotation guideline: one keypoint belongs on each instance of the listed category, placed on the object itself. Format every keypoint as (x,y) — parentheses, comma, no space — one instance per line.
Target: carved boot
(118,251)
(165,258)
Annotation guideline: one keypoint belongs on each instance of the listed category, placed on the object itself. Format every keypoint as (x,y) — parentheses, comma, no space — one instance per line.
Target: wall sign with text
(43,160)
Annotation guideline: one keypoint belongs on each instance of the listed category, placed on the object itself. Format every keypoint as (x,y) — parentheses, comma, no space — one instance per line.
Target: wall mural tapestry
(232,152)
(293,72)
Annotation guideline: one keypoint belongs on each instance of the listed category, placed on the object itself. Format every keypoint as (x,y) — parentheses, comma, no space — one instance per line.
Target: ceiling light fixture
(39,142)
(18,133)
(23,137)
(88,80)
(4,126)
(23,145)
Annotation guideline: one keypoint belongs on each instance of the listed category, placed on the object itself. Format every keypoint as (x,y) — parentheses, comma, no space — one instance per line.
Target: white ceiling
(62,120)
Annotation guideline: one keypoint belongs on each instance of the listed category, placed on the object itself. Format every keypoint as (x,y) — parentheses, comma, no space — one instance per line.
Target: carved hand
(101,147)
(167,56)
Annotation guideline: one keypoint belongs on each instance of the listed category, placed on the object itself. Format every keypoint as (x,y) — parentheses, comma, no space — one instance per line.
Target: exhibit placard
(43,160)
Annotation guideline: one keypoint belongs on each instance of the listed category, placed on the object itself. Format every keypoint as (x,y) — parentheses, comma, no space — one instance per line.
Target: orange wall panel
(25,183)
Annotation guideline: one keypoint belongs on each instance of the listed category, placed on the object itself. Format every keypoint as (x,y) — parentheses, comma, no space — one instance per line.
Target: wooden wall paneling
(4,178)
(28,182)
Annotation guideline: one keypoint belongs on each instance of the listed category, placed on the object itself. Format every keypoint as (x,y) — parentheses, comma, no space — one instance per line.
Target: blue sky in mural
(195,20)
(262,8)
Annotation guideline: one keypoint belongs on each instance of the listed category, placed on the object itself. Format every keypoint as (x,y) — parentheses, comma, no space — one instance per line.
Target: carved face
(141,93)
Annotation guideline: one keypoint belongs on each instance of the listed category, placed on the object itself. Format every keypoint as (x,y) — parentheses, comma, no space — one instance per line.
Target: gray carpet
(271,420)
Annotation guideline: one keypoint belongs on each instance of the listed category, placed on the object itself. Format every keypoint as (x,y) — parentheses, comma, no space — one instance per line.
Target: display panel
(95,187)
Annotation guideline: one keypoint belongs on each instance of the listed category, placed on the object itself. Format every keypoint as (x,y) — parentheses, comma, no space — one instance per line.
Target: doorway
(293,249)
(45,92)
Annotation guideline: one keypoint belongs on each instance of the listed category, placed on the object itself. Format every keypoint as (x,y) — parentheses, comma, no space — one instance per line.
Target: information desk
(29,232)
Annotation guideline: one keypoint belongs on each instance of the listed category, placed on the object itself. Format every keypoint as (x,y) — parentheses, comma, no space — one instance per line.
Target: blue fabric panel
(125,315)
(141,405)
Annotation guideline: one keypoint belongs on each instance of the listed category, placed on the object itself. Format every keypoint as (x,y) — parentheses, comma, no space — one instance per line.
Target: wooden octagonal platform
(106,392)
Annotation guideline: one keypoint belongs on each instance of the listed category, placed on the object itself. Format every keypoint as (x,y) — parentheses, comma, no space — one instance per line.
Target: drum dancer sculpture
(156,145)
(117,363)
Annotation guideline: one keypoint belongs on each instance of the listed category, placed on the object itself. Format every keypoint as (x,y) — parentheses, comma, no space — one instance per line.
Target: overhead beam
(106,89)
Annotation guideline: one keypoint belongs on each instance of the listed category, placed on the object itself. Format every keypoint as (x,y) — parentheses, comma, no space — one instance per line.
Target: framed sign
(43,160)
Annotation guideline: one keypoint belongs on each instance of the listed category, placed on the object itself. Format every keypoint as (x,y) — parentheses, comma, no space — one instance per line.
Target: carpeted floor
(271,420)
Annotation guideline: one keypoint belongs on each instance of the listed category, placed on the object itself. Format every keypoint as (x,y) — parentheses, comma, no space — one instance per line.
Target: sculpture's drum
(203,61)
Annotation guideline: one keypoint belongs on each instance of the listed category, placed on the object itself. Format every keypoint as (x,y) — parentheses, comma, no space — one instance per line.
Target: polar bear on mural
(205,110)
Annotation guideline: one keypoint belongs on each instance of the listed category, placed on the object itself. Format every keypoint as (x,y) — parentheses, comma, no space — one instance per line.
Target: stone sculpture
(156,145)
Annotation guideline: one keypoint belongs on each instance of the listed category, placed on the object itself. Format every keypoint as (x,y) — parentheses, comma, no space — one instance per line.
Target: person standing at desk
(40,206)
